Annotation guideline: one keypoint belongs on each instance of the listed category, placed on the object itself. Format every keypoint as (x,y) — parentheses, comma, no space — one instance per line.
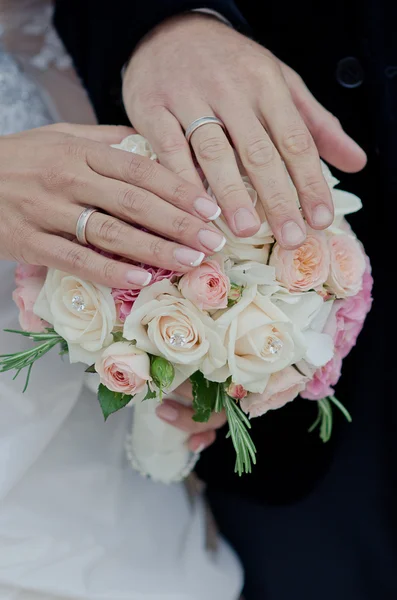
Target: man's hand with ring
(193,66)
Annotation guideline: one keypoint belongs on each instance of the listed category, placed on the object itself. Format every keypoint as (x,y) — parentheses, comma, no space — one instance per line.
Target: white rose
(83,313)
(164,323)
(260,340)
(136,144)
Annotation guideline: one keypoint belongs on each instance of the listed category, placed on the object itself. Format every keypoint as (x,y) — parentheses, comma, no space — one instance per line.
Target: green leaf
(90,369)
(205,395)
(110,401)
(118,336)
(150,394)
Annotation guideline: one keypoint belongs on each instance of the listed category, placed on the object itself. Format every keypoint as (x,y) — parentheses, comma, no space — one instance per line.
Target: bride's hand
(49,175)
(173,412)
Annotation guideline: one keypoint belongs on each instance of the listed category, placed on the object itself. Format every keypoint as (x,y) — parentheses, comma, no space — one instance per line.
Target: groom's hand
(194,66)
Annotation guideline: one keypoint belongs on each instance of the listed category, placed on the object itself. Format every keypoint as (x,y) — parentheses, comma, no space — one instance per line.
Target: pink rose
(347,265)
(320,386)
(25,296)
(305,268)
(206,286)
(236,391)
(283,387)
(125,299)
(28,271)
(124,368)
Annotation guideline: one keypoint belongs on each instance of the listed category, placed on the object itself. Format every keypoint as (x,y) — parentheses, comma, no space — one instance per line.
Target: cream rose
(260,340)
(305,268)
(206,286)
(347,265)
(165,324)
(124,368)
(283,387)
(83,313)
(136,144)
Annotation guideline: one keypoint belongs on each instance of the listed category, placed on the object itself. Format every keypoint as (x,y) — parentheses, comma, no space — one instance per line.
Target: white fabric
(76,522)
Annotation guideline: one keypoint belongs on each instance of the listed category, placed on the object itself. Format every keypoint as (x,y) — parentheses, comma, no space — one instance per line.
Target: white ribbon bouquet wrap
(251,327)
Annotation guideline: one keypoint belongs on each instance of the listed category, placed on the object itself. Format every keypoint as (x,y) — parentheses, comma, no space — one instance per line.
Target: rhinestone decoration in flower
(78,303)
(178,340)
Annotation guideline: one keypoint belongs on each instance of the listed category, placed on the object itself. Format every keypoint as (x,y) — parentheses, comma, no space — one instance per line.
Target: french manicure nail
(139,277)
(199,449)
(168,413)
(244,220)
(322,216)
(211,239)
(292,234)
(207,209)
(188,257)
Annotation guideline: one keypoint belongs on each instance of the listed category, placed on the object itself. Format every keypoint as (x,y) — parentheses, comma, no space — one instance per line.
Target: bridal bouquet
(252,328)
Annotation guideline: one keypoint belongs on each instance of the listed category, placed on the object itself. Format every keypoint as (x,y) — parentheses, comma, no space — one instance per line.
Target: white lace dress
(76,522)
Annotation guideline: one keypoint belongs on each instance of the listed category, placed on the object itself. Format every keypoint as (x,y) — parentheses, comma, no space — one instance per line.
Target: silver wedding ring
(199,123)
(81,225)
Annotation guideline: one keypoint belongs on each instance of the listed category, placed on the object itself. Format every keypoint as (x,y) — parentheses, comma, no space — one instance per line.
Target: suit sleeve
(100,37)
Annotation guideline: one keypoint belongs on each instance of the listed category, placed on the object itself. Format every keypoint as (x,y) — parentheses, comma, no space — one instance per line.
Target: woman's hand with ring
(50,174)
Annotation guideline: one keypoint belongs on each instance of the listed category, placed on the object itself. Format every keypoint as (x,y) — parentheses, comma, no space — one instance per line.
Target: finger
(147,174)
(116,237)
(333,144)
(217,160)
(298,150)
(168,141)
(137,205)
(268,175)
(107,134)
(58,253)
(181,417)
(200,441)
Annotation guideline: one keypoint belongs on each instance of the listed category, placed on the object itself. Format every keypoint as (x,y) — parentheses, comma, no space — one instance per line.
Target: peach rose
(283,387)
(24,271)
(305,268)
(206,286)
(347,265)
(124,368)
(25,296)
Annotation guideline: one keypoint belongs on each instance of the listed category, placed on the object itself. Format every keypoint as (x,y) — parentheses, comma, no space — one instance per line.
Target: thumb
(333,143)
(107,134)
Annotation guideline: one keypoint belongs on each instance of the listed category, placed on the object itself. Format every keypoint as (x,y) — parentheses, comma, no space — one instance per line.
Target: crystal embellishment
(273,346)
(178,340)
(78,303)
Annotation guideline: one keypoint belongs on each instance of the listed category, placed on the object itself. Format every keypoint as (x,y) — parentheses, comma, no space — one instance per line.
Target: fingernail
(322,216)
(168,413)
(188,257)
(244,219)
(211,239)
(207,209)
(200,449)
(141,278)
(292,234)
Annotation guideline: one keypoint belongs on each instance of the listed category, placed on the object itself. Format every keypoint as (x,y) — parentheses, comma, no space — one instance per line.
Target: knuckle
(133,201)
(73,147)
(109,272)
(297,141)
(231,191)
(158,248)
(172,144)
(110,231)
(212,148)
(54,178)
(181,225)
(313,189)
(278,204)
(78,259)
(139,169)
(259,153)
(180,194)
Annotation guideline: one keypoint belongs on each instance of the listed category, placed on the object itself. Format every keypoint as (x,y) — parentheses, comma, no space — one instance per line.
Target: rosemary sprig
(238,431)
(17,361)
(325,417)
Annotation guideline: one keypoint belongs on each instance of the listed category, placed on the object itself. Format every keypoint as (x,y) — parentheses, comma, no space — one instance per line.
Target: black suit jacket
(346,52)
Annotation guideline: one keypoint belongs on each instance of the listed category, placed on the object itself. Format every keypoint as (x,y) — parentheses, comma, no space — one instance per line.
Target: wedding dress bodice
(38,85)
